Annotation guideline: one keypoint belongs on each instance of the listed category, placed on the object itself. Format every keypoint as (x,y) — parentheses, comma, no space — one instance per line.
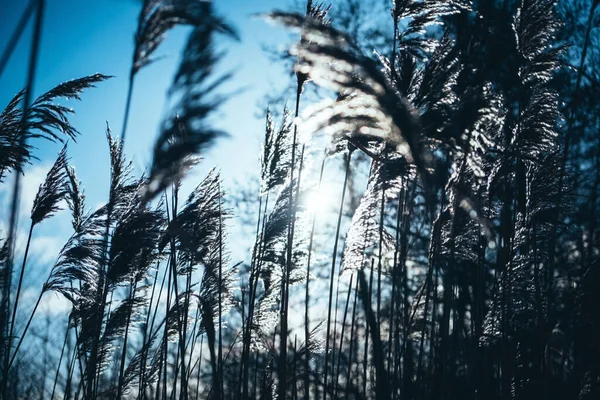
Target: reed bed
(461,260)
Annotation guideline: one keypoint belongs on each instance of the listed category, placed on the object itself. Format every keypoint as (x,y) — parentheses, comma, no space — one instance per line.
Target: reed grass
(466,279)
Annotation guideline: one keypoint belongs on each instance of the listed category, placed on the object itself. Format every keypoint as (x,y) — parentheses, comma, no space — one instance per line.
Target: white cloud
(30,183)
(52,303)
(45,249)
(55,304)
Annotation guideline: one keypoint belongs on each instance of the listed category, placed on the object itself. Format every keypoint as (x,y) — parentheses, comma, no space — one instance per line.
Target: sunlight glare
(320,199)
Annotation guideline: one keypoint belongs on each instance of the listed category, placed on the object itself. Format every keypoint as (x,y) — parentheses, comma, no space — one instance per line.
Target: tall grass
(470,264)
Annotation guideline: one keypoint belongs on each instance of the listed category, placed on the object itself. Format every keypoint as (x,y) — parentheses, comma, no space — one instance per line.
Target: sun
(320,199)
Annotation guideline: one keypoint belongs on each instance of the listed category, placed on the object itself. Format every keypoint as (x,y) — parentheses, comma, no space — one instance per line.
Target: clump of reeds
(447,270)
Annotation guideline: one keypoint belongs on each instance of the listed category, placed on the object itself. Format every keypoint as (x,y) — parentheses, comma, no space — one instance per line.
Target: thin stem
(125,335)
(255,271)
(127,107)
(142,392)
(220,349)
(368,288)
(380,256)
(282,367)
(37,303)
(62,352)
(337,374)
(295,387)
(352,326)
(16,193)
(382,386)
(20,284)
(332,272)
(163,368)
(16,35)
(307,293)
(394,284)
(199,367)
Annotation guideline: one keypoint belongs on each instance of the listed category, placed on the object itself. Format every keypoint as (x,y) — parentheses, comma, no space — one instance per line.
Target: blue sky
(83,37)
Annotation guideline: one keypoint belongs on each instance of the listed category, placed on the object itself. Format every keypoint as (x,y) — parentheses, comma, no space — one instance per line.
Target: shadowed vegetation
(456,254)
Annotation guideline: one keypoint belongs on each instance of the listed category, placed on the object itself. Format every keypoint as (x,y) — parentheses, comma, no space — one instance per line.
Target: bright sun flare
(320,199)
